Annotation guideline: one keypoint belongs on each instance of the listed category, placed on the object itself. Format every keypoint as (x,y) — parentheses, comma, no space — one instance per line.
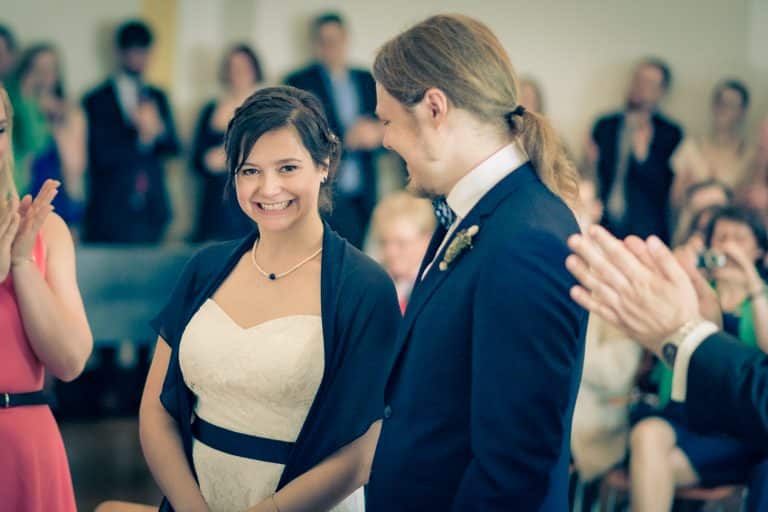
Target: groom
(488,361)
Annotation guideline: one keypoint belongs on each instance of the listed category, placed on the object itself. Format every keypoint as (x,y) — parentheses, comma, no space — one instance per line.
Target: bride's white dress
(259,381)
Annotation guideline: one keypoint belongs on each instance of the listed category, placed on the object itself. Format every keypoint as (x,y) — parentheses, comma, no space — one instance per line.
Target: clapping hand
(638,286)
(9,225)
(32,215)
(741,269)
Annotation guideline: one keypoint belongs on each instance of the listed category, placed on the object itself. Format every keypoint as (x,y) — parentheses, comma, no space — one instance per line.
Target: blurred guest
(530,95)
(754,193)
(62,153)
(724,154)
(349,98)
(740,236)
(590,209)
(130,134)
(666,451)
(698,198)
(219,217)
(401,227)
(43,328)
(600,428)
(8,51)
(31,134)
(631,152)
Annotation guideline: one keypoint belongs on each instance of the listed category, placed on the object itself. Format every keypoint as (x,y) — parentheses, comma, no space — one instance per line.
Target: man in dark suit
(667,305)
(631,151)
(481,390)
(348,96)
(130,134)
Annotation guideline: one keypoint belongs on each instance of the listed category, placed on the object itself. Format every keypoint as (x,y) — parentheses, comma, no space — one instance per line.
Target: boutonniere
(460,242)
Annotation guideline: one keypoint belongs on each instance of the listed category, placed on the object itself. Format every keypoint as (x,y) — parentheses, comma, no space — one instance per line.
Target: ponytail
(547,153)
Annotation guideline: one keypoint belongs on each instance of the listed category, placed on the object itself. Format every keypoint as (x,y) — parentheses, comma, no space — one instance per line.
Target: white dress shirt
(468,191)
(683,358)
(128,90)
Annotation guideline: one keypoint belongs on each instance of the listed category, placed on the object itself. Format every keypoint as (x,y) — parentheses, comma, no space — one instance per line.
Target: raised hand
(742,269)
(148,122)
(9,225)
(645,293)
(32,216)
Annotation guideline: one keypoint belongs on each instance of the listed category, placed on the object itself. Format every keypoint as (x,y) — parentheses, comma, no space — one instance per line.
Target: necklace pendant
(272,277)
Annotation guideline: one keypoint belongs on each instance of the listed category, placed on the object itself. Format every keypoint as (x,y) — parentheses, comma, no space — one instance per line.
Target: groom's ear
(436,104)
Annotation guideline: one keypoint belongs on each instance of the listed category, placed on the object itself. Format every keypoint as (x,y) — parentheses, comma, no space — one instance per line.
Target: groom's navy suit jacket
(486,367)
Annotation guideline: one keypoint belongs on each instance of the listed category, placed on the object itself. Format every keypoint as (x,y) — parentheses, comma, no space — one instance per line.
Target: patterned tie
(445,216)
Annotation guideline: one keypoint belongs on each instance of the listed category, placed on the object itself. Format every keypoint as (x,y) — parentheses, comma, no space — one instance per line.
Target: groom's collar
(479,181)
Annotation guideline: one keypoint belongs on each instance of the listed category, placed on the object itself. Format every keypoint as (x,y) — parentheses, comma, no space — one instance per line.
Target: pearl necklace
(271,275)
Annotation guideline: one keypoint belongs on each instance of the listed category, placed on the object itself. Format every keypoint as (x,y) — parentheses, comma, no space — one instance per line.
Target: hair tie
(509,116)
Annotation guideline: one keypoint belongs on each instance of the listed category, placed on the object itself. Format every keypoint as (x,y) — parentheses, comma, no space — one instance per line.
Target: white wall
(581,51)
(81,29)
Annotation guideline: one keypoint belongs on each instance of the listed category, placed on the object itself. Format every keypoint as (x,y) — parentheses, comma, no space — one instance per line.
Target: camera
(711,260)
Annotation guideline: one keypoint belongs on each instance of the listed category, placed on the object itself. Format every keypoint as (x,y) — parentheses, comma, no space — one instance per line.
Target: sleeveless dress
(259,381)
(34,473)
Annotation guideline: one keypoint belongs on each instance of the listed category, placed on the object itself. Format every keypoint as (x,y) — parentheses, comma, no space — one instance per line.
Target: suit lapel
(424,289)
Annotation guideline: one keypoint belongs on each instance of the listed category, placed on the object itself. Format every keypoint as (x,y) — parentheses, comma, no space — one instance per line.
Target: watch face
(668,352)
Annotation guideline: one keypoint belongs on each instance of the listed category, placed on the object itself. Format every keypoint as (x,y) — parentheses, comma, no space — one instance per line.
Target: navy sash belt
(241,445)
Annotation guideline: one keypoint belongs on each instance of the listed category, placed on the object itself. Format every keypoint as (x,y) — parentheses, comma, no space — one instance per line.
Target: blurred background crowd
(663,108)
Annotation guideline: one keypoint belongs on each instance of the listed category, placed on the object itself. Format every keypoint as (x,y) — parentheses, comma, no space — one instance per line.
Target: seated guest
(724,154)
(698,198)
(130,134)
(665,451)
(631,152)
(219,217)
(60,153)
(600,428)
(348,96)
(401,228)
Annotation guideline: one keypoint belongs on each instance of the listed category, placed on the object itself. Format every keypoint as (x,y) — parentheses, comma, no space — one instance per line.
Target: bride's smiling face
(278,184)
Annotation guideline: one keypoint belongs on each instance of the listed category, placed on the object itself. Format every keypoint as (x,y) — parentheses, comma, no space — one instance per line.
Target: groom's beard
(419,191)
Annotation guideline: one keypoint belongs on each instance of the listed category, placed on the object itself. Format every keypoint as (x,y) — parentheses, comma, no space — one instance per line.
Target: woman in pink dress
(42,327)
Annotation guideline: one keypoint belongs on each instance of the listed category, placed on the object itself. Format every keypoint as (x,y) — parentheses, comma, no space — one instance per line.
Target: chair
(123,287)
(615,489)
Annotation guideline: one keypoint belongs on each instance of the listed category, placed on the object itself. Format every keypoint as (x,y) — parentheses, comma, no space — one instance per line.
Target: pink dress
(34,474)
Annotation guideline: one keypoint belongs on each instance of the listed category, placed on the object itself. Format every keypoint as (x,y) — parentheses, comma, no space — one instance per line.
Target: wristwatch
(669,347)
